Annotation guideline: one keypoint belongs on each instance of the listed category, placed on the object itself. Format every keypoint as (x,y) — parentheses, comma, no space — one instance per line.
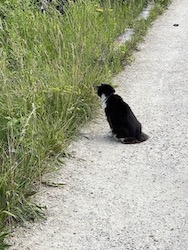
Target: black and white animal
(123,123)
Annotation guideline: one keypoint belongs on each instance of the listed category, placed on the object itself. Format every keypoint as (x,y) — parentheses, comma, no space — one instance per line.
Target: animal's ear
(96,88)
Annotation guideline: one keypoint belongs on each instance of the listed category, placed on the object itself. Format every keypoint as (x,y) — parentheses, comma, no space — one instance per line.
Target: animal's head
(105,89)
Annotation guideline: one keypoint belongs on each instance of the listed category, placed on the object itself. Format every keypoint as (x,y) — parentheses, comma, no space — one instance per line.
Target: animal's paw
(110,134)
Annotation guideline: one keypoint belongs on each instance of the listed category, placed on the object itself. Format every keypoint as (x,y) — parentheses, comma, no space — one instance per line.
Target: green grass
(49,64)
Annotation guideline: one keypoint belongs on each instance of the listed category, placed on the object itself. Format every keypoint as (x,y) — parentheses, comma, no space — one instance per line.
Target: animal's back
(121,118)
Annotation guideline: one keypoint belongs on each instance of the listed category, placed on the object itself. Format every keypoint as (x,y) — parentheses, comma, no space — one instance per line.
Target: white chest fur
(103,101)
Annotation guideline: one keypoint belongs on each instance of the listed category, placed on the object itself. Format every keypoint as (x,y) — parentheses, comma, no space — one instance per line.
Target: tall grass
(49,64)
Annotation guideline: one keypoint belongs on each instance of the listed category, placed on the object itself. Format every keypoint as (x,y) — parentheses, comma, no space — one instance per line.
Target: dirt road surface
(128,197)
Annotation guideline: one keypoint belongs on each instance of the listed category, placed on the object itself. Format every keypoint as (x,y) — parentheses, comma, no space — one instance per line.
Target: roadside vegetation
(49,65)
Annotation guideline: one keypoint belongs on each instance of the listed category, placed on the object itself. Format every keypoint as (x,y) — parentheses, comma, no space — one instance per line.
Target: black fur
(122,121)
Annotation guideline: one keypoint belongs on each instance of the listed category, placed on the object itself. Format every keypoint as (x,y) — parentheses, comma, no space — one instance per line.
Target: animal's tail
(143,137)
(133,140)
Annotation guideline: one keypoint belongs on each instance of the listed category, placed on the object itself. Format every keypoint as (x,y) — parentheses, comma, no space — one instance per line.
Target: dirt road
(128,197)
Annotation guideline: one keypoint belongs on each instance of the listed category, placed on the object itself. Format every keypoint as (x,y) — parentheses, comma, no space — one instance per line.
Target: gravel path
(128,197)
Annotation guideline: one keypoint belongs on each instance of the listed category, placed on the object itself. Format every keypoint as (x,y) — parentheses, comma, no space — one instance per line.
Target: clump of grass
(49,64)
